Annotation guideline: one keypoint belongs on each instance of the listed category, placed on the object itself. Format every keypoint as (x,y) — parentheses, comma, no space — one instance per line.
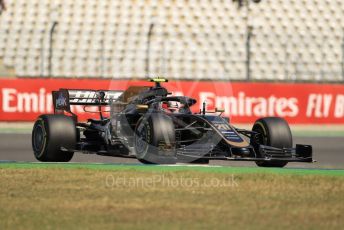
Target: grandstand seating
(191,39)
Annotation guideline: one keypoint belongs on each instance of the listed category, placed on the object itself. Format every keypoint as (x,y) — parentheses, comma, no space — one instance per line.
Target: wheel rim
(261,138)
(141,141)
(39,140)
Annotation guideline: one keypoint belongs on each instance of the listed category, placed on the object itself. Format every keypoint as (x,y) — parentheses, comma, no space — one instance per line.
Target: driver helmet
(170,107)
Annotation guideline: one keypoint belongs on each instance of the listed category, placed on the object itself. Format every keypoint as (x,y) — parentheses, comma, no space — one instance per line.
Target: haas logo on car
(61,101)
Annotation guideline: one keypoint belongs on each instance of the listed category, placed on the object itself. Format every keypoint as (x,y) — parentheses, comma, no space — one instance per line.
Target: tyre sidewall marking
(265,132)
(40,122)
(142,154)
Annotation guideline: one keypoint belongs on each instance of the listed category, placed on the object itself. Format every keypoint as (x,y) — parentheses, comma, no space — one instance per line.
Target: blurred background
(296,40)
(293,49)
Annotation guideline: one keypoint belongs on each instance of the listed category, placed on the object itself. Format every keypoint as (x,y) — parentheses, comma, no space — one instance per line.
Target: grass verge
(171,168)
(86,196)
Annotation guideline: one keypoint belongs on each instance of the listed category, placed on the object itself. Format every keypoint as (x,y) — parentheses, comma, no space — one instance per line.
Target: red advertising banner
(299,103)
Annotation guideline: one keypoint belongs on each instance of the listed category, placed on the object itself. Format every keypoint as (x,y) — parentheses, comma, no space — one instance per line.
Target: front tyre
(51,133)
(155,139)
(274,132)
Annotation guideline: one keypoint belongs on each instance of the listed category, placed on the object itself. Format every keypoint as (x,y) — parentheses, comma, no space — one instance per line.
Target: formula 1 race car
(148,123)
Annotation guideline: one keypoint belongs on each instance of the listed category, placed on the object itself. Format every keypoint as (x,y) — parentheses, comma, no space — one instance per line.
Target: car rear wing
(64,98)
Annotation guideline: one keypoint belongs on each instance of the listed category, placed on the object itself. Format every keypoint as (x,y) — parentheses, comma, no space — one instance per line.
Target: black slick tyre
(274,132)
(51,134)
(155,139)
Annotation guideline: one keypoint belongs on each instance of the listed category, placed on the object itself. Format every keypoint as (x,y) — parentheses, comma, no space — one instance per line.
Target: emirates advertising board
(243,102)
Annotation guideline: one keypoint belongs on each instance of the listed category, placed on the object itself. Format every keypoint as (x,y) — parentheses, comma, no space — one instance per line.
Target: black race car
(150,124)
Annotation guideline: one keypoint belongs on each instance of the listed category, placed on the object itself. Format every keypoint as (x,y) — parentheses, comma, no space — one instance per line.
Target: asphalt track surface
(328,151)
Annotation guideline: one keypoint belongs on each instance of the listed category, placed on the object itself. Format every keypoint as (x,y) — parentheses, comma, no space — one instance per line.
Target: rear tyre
(50,133)
(275,132)
(155,139)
